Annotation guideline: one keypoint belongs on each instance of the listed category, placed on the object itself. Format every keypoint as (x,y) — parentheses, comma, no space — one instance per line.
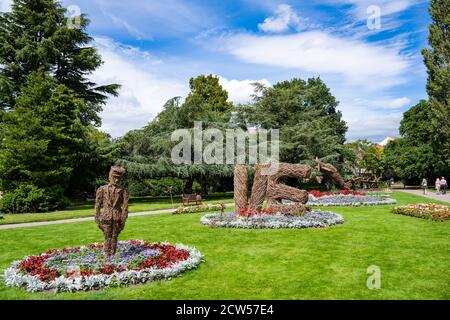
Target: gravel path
(431,195)
(46,223)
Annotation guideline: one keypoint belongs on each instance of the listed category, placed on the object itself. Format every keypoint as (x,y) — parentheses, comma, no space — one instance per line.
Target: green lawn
(413,254)
(87,209)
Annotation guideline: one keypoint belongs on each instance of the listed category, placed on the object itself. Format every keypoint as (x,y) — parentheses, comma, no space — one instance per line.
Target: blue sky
(153,47)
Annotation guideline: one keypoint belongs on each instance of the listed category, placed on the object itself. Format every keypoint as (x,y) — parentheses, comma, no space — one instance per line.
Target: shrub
(165,186)
(27,198)
(138,189)
(155,187)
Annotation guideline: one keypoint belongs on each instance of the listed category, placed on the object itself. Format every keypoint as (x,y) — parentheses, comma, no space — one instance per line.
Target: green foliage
(208,90)
(415,156)
(92,161)
(165,187)
(137,188)
(367,158)
(147,153)
(38,142)
(35,36)
(156,187)
(424,150)
(438,86)
(437,62)
(305,112)
(48,105)
(29,198)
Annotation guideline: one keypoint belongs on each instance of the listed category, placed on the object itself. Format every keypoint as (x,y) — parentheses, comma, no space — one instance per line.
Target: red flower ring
(55,263)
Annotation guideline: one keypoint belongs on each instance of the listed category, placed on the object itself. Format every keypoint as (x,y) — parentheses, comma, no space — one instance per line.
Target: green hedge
(27,198)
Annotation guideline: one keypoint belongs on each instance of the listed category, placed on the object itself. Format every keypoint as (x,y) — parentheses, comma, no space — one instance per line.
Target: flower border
(387,201)
(426,211)
(252,223)
(13,278)
(197,209)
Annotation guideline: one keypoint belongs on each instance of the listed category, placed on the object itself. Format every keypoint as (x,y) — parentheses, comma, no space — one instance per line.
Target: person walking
(437,185)
(424,185)
(444,186)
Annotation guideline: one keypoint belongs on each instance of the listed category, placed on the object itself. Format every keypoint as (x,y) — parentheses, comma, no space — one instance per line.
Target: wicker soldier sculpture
(111,220)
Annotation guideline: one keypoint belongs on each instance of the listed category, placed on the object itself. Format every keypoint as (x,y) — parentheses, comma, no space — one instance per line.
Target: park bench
(188,198)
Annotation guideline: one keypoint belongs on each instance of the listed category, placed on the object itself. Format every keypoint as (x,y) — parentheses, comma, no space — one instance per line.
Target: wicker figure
(259,188)
(272,188)
(111,220)
(277,191)
(333,173)
(240,187)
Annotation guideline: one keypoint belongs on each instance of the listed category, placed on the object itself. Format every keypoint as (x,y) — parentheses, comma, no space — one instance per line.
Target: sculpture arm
(98,203)
(125,204)
(333,173)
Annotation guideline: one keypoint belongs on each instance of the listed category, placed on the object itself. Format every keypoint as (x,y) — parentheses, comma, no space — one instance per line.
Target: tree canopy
(49,107)
(36,36)
(147,152)
(306,114)
(424,150)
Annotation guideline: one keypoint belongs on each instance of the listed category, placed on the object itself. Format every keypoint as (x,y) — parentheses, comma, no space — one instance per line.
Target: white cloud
(388,7)
(5,5)
(398,103)
(320,53)
(240,91)
(143,92)
(139,35)
(152,19)
(284,18)
(368,119)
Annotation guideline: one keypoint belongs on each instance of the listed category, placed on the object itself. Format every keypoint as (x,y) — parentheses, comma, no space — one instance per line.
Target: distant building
(385,142)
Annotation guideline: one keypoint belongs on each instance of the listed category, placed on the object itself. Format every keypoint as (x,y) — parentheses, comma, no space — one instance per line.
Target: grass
(86,209)
(413,255)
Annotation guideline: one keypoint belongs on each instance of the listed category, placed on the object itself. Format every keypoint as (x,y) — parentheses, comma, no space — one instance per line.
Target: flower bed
(86,268)
(434,212)
(320,194)
(199,208)
(313,219)
(350,200)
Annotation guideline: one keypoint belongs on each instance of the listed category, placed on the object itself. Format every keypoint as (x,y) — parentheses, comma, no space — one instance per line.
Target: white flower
(12,276)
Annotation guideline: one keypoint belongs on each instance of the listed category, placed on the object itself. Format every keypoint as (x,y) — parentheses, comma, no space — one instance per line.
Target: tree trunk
(187,189)
(203,186)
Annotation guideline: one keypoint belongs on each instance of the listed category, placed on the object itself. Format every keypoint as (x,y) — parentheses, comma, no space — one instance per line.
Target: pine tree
(147,152)
(38,142)
(36,36)
(39,43)
(424,149)
(437,61)
(306,114)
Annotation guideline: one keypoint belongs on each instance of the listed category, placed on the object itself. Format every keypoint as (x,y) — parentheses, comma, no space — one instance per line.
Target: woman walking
(444,186)
(438,185)
(424,185)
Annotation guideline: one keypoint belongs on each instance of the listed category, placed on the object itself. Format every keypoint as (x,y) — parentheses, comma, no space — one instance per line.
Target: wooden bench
(188,198)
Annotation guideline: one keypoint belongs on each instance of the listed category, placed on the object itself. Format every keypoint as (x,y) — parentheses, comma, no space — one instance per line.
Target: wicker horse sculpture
(270,187)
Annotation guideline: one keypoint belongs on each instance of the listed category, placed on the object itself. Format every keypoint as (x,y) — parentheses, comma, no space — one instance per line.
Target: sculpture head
(115,175)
